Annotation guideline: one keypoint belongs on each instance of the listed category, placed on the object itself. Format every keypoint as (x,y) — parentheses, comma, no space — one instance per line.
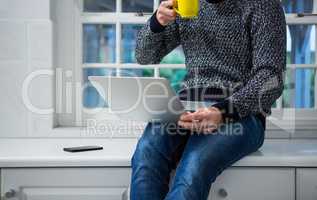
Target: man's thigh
(208,155)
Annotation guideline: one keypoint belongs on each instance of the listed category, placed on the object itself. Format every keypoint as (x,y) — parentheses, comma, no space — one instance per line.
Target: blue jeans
(198,158)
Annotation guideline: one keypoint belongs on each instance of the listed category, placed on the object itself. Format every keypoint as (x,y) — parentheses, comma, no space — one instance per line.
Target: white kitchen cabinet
(65,183)
(254,183)
(306,182)
(237,183)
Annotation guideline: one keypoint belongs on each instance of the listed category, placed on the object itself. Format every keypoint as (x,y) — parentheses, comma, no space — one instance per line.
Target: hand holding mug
(165,13)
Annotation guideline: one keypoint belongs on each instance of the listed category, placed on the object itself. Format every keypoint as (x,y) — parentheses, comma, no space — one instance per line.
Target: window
(301,51)
(107,35)
(299,100)
(108,38)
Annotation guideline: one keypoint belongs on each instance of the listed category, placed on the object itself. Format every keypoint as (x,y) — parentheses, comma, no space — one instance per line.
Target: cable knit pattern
(239,44)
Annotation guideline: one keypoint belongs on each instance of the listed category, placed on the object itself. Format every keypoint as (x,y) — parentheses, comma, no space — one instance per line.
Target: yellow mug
(187,8)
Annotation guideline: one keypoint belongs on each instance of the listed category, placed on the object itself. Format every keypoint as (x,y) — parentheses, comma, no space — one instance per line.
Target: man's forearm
(155,40)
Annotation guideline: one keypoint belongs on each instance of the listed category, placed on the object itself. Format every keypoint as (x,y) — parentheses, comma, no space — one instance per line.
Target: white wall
(25,46)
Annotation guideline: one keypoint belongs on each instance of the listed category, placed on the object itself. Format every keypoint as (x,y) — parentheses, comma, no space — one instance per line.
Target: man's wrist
(218,112)
(229,112)
(155,25)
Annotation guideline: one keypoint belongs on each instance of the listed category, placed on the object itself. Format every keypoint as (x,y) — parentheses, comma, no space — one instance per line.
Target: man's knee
(147,151)
(155,146)
(143,153)
(198,169)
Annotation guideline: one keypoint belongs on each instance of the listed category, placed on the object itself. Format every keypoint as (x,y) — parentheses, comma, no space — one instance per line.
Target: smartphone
(82,148)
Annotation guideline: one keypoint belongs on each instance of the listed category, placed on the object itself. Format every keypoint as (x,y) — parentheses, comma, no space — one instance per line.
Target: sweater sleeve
(155,41)
(265,86)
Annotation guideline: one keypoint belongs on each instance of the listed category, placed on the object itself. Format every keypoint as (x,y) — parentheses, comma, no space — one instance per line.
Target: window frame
(305,120)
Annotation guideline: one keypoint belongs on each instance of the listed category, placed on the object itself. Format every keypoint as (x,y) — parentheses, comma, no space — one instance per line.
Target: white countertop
(118,152)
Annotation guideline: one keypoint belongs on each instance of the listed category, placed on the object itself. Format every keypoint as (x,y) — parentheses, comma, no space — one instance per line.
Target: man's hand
(204,120)
(165,13)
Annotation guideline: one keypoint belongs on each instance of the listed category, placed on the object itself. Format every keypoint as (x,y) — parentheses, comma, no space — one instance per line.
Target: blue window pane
(175,76)
(99,5)
(137,6)
(305,88)
(298,6)
(299,91)
(129,34)
(301,42)
(175,57)
(91,98)
(137,72)
(99,43)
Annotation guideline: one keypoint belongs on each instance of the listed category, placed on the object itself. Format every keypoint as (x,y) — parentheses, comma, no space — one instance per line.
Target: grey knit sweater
(237,44)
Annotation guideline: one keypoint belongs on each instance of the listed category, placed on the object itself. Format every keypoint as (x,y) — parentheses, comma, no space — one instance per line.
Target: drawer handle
(10,194)
(222,193)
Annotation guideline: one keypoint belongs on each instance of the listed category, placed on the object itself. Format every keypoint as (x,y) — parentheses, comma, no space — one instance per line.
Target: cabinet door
(35,193)
(65,184)
(306,184)
(254,183)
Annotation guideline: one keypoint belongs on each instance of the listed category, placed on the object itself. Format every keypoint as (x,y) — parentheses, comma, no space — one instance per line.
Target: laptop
(143,98)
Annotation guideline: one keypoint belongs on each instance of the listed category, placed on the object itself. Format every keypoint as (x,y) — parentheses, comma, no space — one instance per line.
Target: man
(233,45)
